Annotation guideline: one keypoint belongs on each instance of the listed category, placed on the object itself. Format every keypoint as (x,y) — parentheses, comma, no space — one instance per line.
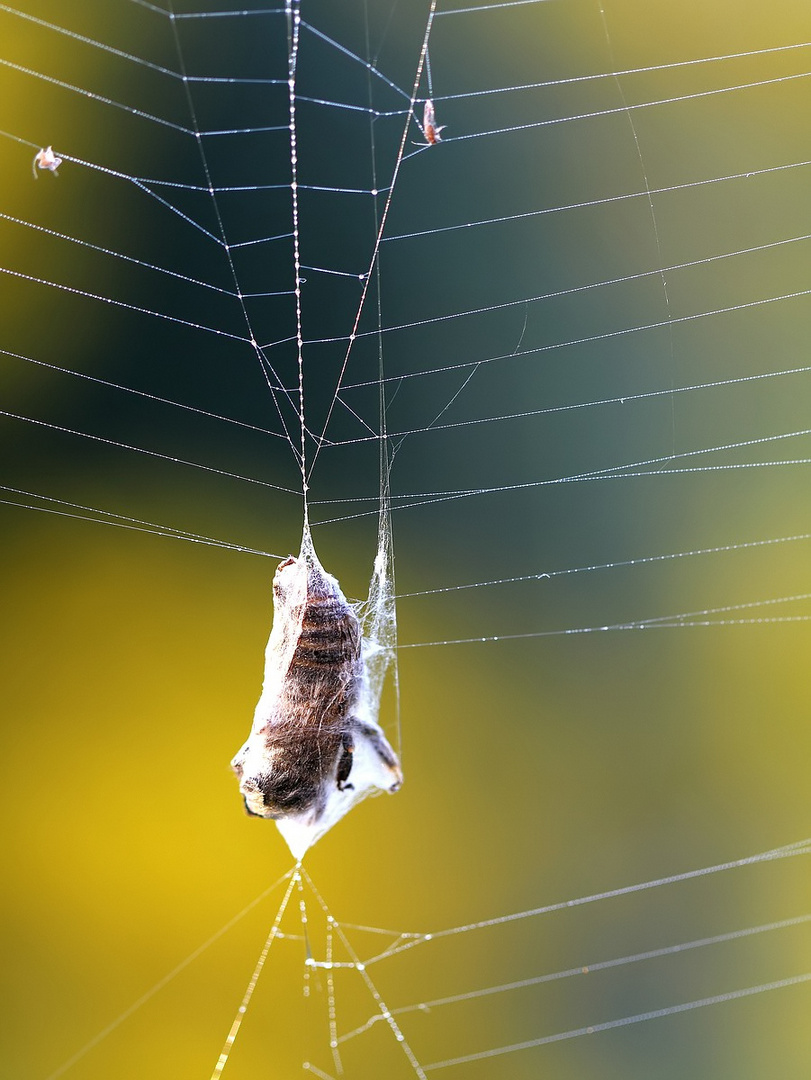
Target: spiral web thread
(288,403)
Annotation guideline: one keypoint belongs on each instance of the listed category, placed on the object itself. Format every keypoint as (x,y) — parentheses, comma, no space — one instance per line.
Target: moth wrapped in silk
(315,747)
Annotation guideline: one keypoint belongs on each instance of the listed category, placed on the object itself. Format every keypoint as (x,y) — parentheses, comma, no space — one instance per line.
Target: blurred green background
(538,769)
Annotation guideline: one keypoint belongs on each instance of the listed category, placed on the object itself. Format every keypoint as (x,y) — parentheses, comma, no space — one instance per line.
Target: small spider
(429,128)
(46,159)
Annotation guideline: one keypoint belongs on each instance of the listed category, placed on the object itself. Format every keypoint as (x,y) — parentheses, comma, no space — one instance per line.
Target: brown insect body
(429,126)
(299,759)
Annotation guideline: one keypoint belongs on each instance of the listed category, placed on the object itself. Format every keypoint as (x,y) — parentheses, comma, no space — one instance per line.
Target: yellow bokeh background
(538,769)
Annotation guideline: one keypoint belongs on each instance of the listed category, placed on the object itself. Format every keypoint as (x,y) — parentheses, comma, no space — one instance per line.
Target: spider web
(565,348)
